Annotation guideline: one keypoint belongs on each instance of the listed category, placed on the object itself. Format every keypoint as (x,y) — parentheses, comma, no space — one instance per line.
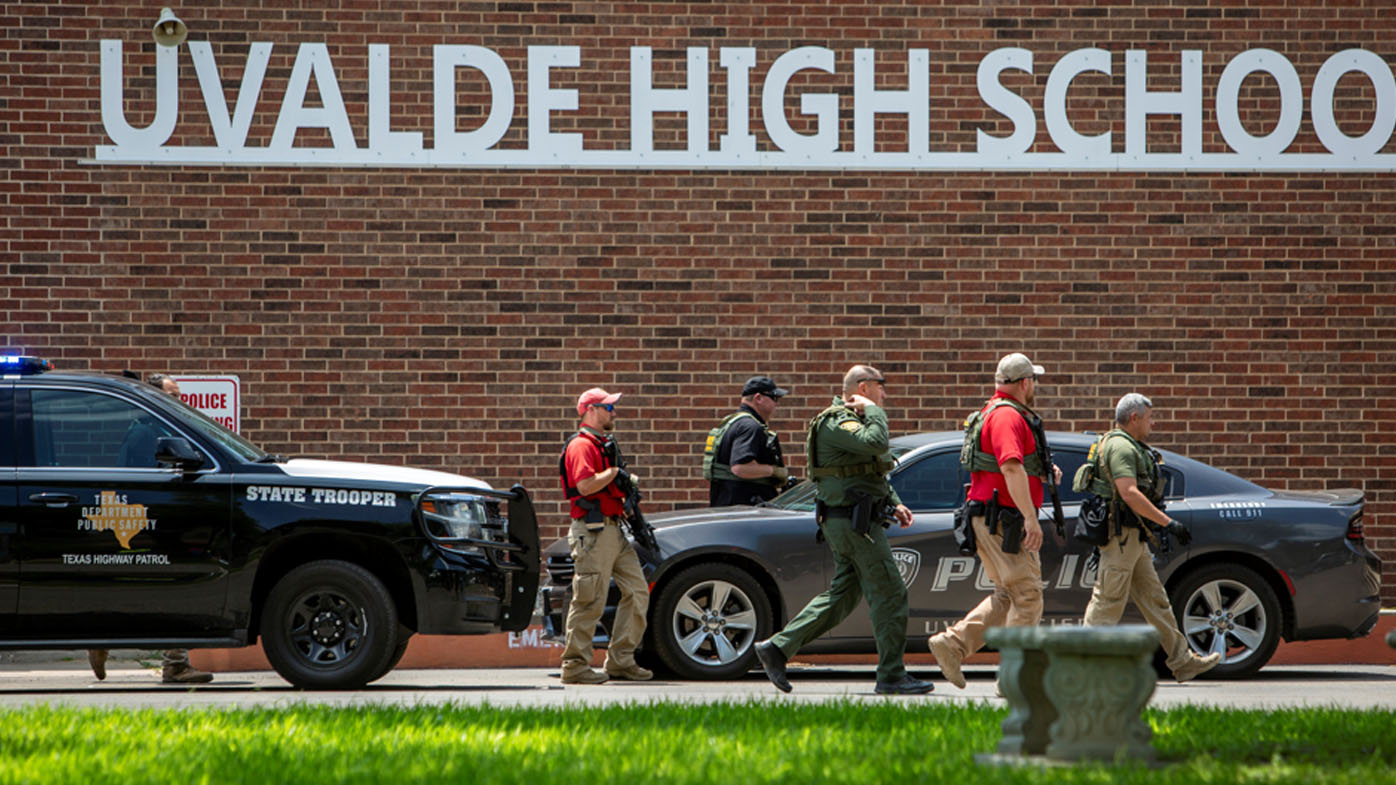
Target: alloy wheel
(1226,617)
(714,622)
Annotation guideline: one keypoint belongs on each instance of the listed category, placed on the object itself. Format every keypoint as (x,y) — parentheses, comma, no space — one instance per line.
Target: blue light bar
(17,363)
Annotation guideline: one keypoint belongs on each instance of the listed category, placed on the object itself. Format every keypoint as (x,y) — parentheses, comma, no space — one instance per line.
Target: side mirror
(178,452)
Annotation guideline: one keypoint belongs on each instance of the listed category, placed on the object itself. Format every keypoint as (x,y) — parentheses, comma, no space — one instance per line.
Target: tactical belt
(830,511)
(852,470)
(595,526)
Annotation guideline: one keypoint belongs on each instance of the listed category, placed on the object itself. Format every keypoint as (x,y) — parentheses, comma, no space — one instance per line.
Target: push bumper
(457,599)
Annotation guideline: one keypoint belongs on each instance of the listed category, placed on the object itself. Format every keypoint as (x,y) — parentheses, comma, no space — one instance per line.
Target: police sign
(219,397)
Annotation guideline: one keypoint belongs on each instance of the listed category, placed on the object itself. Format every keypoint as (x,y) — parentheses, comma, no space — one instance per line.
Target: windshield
(198,421)
(800,498)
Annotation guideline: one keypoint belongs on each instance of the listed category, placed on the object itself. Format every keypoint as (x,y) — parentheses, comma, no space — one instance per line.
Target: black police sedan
(130,520)
(1262,565)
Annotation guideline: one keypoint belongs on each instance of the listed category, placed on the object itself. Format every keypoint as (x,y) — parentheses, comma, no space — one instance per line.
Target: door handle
(56,500)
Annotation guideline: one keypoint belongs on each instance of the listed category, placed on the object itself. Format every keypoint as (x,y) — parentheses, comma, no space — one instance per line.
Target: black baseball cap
(763,385)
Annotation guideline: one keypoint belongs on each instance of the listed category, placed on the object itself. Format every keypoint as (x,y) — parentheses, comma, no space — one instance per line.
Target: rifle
(1045,453)
(640,529)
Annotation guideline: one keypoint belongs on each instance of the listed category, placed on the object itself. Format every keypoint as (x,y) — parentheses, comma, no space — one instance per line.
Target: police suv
(130,520)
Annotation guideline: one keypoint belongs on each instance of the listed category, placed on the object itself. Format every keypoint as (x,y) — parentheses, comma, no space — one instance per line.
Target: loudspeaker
(169,31)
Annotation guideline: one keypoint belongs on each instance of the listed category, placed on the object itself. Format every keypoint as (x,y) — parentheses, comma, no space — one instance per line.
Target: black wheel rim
(326,628)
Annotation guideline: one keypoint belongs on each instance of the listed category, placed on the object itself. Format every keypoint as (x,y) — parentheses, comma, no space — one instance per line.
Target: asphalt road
(131,686)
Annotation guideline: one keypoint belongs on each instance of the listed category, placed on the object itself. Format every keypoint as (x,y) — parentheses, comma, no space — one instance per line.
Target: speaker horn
(169,31)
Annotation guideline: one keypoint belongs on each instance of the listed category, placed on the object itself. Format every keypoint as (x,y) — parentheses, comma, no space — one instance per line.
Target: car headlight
(463,517)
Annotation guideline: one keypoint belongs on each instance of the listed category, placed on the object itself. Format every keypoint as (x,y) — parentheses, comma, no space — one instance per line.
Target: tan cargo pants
(1017,597)
(1126,573)
(597,557)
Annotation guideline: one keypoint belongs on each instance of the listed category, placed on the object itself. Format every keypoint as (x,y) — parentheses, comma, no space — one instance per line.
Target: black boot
(773,662)
(907,686)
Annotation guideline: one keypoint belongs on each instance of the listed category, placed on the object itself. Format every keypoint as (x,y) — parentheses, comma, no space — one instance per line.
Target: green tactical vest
(712,470)
(974,459)
(815,471)
(1094,474)
(1094,477)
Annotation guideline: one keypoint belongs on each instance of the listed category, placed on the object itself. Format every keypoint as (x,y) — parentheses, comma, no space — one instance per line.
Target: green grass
(719,744)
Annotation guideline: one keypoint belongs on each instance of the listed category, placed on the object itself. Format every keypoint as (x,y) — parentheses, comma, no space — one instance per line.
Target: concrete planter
(1076,693)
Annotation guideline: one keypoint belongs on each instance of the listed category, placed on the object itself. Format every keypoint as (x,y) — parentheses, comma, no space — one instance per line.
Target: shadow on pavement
(248,686)
(1280,674)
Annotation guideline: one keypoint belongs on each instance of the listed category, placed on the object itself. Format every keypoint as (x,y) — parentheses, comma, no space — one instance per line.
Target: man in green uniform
(848,458)
(1124,471)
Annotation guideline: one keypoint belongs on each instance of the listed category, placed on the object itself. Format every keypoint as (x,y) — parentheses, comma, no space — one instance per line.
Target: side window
(932,483)
(1172,483)
(1068,461)
(9,443)
(76,429)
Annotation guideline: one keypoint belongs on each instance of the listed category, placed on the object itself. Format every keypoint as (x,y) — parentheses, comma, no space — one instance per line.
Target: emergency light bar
(22,364)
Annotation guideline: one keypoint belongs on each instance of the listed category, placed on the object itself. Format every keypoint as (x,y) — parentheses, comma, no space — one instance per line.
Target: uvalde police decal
(908,564)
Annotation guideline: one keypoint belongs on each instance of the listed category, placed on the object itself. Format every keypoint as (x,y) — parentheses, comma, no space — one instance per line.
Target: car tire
(404,635)
(707,621)
(330,625)
(1230,609)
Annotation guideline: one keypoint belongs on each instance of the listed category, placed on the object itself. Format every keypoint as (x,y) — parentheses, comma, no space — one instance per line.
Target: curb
(528,649)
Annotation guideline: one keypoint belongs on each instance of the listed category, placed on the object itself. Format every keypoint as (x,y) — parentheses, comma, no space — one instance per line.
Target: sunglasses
(610,407)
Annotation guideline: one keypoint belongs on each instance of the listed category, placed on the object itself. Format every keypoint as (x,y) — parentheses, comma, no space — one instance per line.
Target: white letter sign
(762,137)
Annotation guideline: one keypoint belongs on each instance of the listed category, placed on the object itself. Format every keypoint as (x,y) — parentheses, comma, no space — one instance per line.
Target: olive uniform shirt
(844,438)
(1121,455)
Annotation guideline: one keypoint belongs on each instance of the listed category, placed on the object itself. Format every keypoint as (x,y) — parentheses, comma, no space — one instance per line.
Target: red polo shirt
(1006,436)
(583,460)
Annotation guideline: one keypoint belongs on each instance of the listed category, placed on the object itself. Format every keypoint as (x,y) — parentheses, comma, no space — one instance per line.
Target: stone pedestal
(1076,693)
(1100,679)
(1022,666)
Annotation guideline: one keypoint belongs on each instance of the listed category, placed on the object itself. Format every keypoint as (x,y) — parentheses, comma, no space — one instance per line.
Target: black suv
(130,520)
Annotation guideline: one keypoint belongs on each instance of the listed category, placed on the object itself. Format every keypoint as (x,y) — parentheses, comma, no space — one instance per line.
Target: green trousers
(862,566)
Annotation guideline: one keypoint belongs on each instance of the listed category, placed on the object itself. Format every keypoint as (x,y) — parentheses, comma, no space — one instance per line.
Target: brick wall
(448,317)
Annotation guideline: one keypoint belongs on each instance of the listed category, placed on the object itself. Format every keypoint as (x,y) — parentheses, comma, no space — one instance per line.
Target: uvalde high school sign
(737,146)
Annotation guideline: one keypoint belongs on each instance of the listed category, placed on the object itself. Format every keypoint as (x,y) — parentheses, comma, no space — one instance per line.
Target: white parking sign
(220,397)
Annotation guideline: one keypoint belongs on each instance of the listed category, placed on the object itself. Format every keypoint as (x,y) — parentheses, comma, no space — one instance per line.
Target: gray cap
(1014,367)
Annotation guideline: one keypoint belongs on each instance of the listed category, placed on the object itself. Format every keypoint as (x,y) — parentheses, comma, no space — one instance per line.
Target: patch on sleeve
(850,426)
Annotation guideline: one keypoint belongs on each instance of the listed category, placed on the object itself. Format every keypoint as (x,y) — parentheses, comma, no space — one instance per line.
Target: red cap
(594,396)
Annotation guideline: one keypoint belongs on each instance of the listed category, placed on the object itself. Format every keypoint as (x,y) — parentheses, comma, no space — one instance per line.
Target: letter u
(158,132)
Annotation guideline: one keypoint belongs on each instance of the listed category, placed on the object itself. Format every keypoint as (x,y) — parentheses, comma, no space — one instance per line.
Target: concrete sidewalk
(130,686)
(529,649)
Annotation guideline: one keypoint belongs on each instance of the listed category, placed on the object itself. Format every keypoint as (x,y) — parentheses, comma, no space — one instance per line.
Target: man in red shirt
(600,550)
(1004,440)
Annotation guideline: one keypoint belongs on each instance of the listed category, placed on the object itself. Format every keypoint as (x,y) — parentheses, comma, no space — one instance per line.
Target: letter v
(230,134)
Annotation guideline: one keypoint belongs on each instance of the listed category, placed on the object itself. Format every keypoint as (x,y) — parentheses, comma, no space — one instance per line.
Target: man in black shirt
(742,460)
